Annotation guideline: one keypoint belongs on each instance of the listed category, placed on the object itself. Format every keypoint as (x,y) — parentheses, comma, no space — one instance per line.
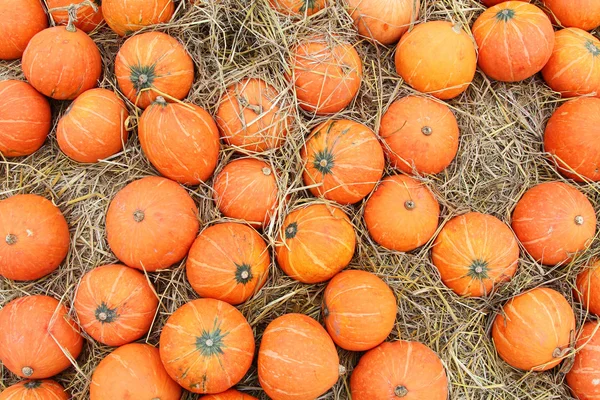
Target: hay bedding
(500,156)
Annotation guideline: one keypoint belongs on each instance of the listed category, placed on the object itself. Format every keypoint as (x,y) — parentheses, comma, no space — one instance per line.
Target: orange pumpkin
(133,371)
(383,20)
(35,334)
(297,359)
(93,127)
(490,3)
(151,223)
(420,135)
(399,369)
(20,20)
(35,390)
(25,119)
(315,243)
(144,73)
(534,330)
(402,213)
(584,376)
(343,161)
(553,221)
(588,288)
(583,14)
(295,7)
(438,58)
(326,76)
(359,310)
(35,237)
(87,18)
(230,394)
(207,346)
(128,16)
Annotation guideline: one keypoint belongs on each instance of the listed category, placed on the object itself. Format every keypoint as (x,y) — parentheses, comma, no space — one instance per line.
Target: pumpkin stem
(478,270)
(457,28)
(323,161)
(266,171)
(558,353)
(138,216)
(592,48)
(32,384)
(579,220)
(291,230)
(255,108)
(409,205)
(505,15)
(72,12)
(159,100)
(243,273)
(400,391)
(210,343)
(11,239)
(426,130)
(325,311)
(27,371)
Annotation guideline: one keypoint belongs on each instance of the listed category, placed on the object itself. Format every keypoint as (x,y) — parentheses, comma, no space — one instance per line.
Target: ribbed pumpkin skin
(20,20)
(474,253)
(25,119)
(230,394)
(297,359)
(34,237)
(584,375)
(35,390)
(30,328)
(143,79)
(588,288)
(87,18)
(151,223)
(402,213)
(553,221)
(207,346)
(359,310)
(133,371)
(228,262)
(344,158)
(298,7)
(128,16)
(437,58)
(383,20)
(490,3)
(315,243)
(419,135)
(583,14)
(408,368)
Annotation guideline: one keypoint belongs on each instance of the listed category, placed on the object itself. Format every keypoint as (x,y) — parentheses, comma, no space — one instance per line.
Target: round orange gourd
(490,3)
(144,73)
(534,329)
(583,14)
(151,223)
(20,20)
(298,7)
(359,310)
(35,334)
(584,376)
(402,213)
(35,390)
(230,394)
(383,20)
(553,221)
(401,369)
(25,119)
(87,18)
(297,359)
(420,135)
(315,243)
(207,346)
(588,288)
(438,58)
(128,16)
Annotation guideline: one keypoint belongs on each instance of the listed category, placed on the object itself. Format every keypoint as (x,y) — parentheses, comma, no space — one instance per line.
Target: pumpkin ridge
(592,48)
(32,384)
(478,269)
(243,273)
(291,230)
(505,15)
(105,315)
(142,76)
(211,343)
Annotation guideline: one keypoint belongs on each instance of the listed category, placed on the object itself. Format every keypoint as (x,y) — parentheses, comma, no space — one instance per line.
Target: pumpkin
(296,7)
(402,213)
(93,127)
(128,16)
(228,262)
(253,116)
(491,3)
(151,223)
(20,20)
(25,119)
(383,20)
(246,189)
(420,135)
(35,237)
(144,73)
(553,221)
(584,376)
(583,14)
(35,334)
(315,243)
(35,390)
(534,330)
(133,371)
(474,253)
(181,140)
(207,346)
(87,18)
(297,359)
(343,161)
(326,76)
(438,58)
(230,394)
(399,369)
(588,288)
(359,310)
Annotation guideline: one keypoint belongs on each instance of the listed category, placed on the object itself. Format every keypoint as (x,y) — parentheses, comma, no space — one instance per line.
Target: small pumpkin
(25,119)
(151,223)
(298,343)
(588,288)
(402,213)
(298,7)
(315,243)
(207,346)
(35,390)
(20,20)
(87,18)
(584,376)
(230,394)
(438,58)
(383,20)
(143,78)
(534,330)
(553,221)
(128,16)
(35,334)
(582,14)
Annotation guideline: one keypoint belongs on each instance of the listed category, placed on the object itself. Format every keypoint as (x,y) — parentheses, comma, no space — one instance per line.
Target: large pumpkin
(419,134)
(583,14)
(36,335)
(144,73)
(588,288)
(383,20)
(87,18)
(438,58)
(298,7)
(35,390)
(297,359)
(315,243)
(207,346)
(25,119)
(34,237)
(151,223)
(20,20)
(402,213)
(553,221)
(230,394)
(584,376)
(128,16)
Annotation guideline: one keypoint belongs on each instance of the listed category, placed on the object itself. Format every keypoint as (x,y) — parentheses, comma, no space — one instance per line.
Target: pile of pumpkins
(207,346)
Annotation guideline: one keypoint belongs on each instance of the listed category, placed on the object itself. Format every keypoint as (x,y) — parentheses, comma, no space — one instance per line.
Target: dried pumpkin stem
(409,205)
(102,316)
(400,391)
(72,11)
(11,239)
(266,171)
(27,371)
(426,130)
(138,216)
(579,220)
